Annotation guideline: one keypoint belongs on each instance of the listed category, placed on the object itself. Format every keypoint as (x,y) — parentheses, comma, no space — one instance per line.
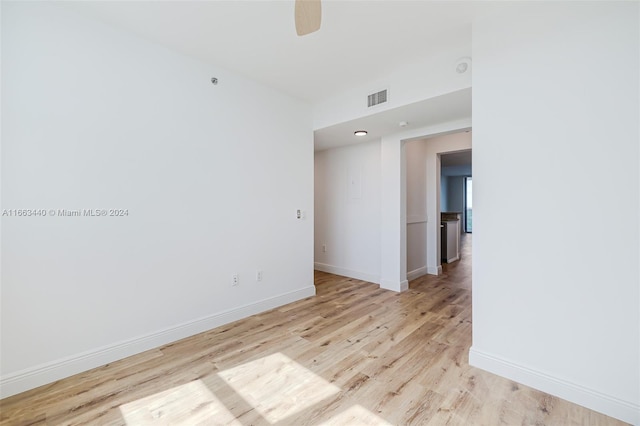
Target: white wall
(416,163)
(393,259)
(556,302)
(456,193)
(464,170)
(453,182)
(444,189)
(434,147)
(384,236)
(347,211)
(423,188)
(211,176)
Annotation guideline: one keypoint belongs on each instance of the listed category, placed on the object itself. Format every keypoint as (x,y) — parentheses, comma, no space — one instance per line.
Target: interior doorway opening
(435,169)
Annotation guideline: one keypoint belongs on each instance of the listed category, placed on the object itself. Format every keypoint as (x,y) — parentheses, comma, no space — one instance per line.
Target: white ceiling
(358,41)
(441,109)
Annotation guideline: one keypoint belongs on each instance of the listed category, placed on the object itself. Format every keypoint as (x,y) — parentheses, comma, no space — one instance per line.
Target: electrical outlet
(235,279)
(324,248)
(259,276)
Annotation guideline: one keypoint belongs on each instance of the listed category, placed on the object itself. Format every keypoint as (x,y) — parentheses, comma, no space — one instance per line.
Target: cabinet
(450,238)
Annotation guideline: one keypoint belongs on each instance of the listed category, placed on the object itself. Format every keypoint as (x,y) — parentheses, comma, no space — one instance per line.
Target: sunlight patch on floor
(356,415)
(188,404)
(277,386)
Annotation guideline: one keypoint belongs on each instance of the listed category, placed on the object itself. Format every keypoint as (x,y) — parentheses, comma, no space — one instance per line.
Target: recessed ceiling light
(403,124)
(360,133)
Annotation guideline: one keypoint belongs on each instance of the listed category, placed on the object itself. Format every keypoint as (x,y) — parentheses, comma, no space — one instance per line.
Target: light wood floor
(354,354)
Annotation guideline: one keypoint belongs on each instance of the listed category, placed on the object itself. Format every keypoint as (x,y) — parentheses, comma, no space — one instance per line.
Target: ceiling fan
(308,14)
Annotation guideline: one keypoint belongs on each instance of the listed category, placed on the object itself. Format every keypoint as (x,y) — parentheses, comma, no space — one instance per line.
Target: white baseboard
(30,378)
(346,272)
(623,410)
(394,285)
(434,270)
(416,273)
(453,259)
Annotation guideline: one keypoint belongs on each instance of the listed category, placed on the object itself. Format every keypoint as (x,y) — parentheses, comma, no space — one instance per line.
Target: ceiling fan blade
(308,16)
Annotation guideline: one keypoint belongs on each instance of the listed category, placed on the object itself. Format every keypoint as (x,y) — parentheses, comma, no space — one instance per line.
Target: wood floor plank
(352,354)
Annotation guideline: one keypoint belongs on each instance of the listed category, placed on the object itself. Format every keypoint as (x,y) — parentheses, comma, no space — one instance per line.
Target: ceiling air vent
(377,98)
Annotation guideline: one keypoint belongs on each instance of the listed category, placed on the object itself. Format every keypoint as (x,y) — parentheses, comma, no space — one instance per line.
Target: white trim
(416,273)
(434,270)
(453,259)
(395,286)
(42,374)
(346,272)
(626,411)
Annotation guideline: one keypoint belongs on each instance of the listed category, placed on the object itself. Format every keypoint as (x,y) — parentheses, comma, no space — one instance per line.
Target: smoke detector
(463,65)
